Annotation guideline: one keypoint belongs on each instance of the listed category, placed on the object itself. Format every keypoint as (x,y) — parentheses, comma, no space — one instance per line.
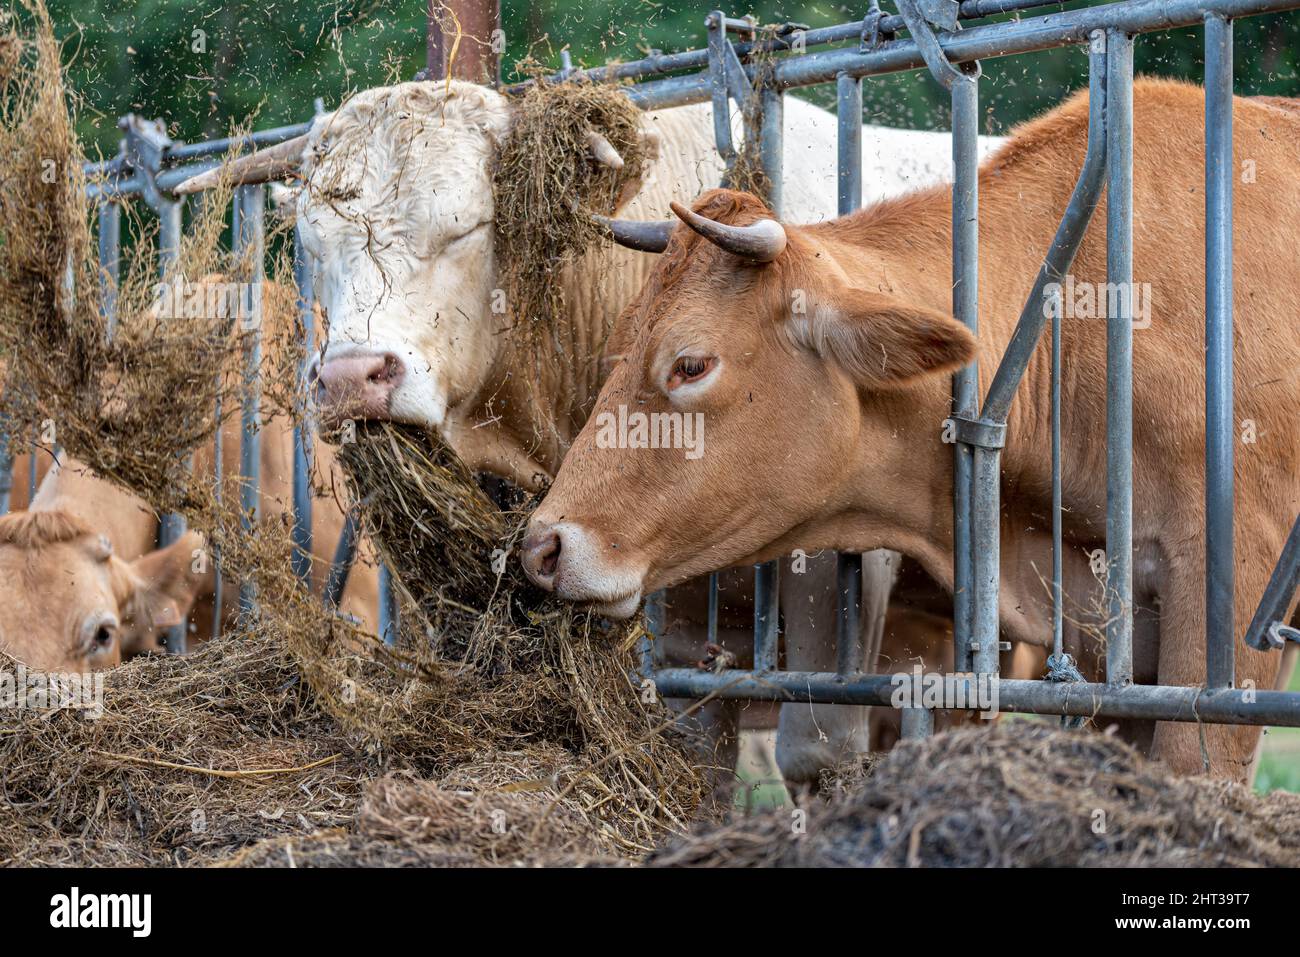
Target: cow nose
(358,386)
(541,556)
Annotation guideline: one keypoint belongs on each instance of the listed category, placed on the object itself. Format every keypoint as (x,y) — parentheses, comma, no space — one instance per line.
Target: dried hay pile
(273,733)
(1014,795)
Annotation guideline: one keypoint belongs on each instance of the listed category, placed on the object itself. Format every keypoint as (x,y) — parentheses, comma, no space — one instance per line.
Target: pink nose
(359,387)
(541,556)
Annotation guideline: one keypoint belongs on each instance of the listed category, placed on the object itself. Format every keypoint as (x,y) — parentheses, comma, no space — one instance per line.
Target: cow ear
(883,341)
(167,583)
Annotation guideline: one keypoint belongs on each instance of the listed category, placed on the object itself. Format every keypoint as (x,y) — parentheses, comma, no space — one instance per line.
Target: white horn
(759,242)
(603,151)
(274,162)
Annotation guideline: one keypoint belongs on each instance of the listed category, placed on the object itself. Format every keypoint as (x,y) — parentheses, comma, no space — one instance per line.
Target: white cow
(396,209)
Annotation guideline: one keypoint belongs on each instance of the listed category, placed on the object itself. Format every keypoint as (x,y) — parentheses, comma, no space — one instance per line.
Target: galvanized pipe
(767,615)
(249,247)
(915,723)
(848,565)
(965,382)
(1119,359)
(1219,627)
(110,258)
(172,525)
(345,556)
(1085,699)
(389,608)
(302,437)
(6,469)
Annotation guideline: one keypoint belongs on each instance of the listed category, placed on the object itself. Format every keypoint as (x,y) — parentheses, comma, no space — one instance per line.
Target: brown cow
(66,595)
(823,426)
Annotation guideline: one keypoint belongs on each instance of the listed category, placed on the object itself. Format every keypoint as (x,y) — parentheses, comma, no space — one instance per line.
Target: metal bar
(345,556)
(661,63)
(390,622)
(1056,264)
(1086,699)
(1119,359)
(249,240)
(717,66)
(979,42)
(185,152)
(1277,598)
(772,133)
(302,437)
(1219,628)
(711,623)
(965,382)
(915,723)
(848,566)
(6,469)
(110,260)
(767,613)
(172,526)
(848,113)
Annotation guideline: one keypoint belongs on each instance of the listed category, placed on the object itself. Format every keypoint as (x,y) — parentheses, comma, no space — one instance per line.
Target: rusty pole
(476,57)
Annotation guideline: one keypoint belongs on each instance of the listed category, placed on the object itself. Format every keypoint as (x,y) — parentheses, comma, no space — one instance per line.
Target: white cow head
(396,209)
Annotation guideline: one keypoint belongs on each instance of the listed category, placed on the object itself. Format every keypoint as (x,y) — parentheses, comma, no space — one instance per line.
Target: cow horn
(274,162)
(759,242)
(603,151)
(647,236)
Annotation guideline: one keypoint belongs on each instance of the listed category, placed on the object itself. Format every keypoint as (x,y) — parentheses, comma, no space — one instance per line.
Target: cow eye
(104,636)
(689,369)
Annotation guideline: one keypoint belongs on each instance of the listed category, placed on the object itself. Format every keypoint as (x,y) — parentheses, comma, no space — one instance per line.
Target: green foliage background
(275,57)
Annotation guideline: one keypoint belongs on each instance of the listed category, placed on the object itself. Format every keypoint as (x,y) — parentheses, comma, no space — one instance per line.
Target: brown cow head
(770,361)
(68,602)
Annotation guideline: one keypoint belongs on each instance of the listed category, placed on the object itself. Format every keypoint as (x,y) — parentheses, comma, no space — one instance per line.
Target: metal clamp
(1279,634)
(979,432)
(871,32)
(145,146)
(921,17)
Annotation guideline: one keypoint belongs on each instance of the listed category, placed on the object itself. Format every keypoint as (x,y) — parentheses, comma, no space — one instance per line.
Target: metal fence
(149,165)
(951,55)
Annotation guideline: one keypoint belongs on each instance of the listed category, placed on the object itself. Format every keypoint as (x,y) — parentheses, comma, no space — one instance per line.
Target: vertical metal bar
(345,556)
(1219,628)
(772,143)
(1058,613)
(848,566)
(849,142)
(250,202)
(302,440)
(916,723)
(711,623)
(767,576)
(172,526)
(651,650)
(389,608)
(1119,359)
(767,613)
(110,259)
(6,469)
(965,382)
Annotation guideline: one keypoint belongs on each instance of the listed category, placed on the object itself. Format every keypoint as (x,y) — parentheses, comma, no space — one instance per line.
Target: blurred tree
(203,64)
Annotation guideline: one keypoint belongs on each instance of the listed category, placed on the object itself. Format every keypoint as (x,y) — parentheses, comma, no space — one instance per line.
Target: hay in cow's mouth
(275,729)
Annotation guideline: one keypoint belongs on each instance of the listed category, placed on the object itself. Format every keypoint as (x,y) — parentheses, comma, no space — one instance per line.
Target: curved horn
(603,151)
(274,162)
(760,242)
(647,236)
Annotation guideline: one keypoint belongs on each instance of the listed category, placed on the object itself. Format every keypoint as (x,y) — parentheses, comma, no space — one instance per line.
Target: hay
(546,189)
(491,675)
(504,666)
(1015,795)
(169,773)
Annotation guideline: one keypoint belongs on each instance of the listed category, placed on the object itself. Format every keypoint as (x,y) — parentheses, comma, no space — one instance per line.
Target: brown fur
(804,451)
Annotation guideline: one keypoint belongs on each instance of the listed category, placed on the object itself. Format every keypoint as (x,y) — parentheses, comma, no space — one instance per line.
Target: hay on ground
(1016,795)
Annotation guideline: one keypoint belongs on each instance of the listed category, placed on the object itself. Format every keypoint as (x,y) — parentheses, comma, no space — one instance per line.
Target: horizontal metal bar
(1143,702)
(980,42)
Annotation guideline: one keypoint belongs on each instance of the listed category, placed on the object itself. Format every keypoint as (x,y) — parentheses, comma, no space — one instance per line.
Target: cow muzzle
(358,386)
(566,559)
